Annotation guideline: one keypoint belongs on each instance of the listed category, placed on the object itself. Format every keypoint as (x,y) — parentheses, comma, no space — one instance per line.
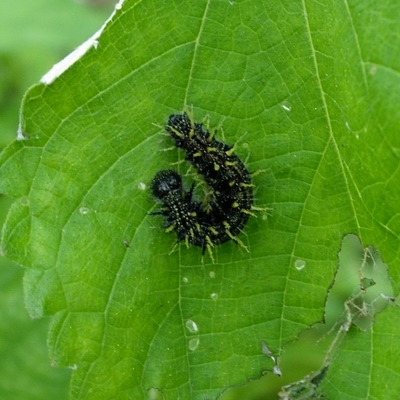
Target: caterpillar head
(166,182)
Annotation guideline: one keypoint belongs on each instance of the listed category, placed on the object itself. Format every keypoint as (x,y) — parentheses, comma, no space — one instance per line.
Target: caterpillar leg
(233,237)
(208,245)
(260,209)
(258,172)
(173,248)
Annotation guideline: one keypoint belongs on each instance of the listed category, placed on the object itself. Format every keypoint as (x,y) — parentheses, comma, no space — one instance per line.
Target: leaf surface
(311,85)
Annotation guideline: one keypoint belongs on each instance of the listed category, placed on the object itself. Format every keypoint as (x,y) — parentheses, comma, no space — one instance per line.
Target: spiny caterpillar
(225,214)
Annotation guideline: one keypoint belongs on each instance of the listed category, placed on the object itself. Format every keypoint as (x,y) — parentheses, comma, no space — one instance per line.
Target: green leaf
(311,85)
(25,370)
(348,333)
(369,360)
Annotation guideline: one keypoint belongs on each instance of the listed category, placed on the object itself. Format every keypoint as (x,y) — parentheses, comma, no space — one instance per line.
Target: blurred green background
(34,35)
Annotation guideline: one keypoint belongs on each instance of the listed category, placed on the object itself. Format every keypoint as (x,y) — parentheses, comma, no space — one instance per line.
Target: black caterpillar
(226,213)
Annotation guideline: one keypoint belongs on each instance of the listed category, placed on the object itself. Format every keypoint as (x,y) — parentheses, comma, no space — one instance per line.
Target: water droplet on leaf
(194,344)
(192,326)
